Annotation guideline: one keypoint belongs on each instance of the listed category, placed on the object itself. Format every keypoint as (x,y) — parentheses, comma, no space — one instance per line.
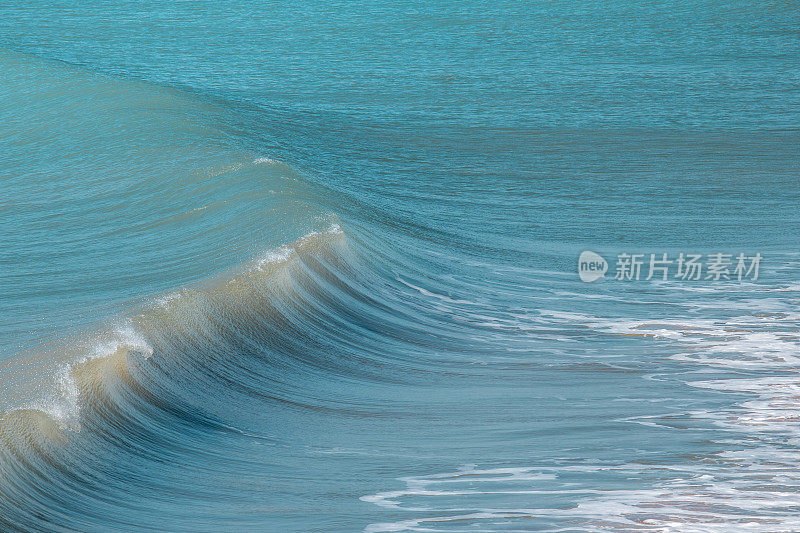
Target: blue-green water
(313,267)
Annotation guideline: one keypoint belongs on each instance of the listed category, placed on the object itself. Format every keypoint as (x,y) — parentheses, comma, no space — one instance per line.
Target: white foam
(285,252)
(753,485)
(277,255)
(62,403)
(122,336)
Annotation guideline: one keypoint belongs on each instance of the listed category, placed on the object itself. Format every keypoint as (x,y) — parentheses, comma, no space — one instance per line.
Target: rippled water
(314,267)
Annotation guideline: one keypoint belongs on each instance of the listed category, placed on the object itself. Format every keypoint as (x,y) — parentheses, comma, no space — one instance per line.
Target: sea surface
(313,266)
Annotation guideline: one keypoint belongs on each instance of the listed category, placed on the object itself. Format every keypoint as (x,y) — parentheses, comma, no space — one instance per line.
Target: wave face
(313,268)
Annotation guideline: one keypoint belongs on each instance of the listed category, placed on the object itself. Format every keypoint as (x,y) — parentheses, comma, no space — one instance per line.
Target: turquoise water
(315,267)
